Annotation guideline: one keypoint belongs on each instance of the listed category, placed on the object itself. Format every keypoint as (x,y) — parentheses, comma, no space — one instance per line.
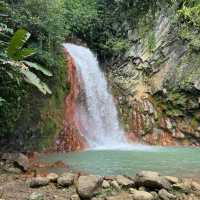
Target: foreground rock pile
(146,185)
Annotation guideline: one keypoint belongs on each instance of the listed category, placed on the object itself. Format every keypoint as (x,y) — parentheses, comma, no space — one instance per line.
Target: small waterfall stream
(95,110)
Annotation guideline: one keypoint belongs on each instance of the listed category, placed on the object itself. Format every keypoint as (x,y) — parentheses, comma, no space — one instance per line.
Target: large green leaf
(17,42)
(38,67)
(24,53)
(31,78)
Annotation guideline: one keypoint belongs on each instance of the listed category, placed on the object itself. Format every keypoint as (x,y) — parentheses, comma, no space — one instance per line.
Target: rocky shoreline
(18,183)
(146,185)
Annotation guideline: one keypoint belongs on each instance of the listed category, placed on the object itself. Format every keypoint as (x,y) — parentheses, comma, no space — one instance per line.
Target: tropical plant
(15,56)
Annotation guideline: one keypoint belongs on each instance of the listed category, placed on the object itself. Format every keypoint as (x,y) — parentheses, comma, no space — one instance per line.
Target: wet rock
(105,184)
(172,179)
(152,180)
(115,185)
(165,195)
(87,185)
(38,182)
(124,182)
(141,195)
(75,197)
(52,177)
(36,196)
(66,179)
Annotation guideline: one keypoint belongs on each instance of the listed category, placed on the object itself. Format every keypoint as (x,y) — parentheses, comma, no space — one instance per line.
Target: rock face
(70,139)
(87,185)
(156,85)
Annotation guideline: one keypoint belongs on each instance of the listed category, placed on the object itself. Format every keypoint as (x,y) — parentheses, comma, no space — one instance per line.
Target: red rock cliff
(71,138)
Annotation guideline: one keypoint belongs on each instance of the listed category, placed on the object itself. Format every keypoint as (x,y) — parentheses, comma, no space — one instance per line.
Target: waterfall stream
(95,110)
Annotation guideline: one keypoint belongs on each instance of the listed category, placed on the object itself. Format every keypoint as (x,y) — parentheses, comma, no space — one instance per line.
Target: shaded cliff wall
(157,83)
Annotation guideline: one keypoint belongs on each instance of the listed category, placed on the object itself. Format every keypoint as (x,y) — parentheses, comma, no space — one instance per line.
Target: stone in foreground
(36,196)
(124,182)
(151,180)
(19,160)
(38,182)
(165,195)
(52,177)
(87,185)
(172,179)
(66,179)
(115,185)
(121,196)
(75,197)
(141,195)
(105,184)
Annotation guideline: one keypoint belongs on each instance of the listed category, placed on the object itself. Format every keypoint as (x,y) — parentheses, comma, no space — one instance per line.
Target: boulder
(124,182)
(36,196)
(19,160)
(151,180)
(195,186)
(165,195)
(12,170)
(66,179)
(142,188)
(52,177)
(75,197)
(99,198)
(141,195)
(115,185)
(172,179)
(121,196)
(155,195)
(38,182)
(105,184)
(185,186)
(87,185)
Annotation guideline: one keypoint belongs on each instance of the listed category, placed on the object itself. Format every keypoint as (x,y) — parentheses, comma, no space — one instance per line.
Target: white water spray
(98,114)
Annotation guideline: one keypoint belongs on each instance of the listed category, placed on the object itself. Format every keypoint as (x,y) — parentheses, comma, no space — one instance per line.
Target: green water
(184,162)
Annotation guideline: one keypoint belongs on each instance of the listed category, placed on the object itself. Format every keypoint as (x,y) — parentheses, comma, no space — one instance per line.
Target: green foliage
(116,46)
(190,12)
(189,22)
(151,41)
(14,55)
(16,44)
(20,102)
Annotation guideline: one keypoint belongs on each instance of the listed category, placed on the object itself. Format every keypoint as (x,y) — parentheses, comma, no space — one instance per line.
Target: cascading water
(95,111)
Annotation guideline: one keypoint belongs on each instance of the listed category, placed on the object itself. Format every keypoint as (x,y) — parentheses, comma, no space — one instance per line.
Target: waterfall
(95,109)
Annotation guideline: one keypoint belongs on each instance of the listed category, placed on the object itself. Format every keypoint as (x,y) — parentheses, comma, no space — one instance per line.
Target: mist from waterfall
(96,111)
